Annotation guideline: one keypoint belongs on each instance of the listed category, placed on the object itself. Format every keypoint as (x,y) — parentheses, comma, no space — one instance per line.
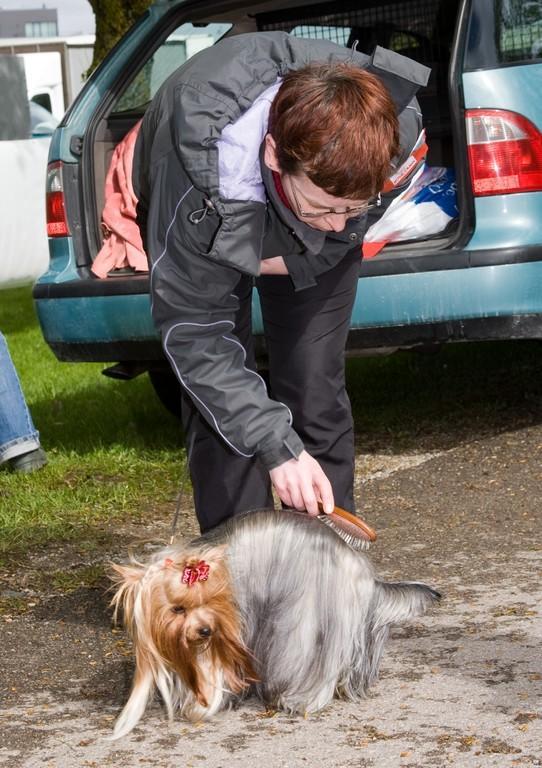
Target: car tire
(168,389)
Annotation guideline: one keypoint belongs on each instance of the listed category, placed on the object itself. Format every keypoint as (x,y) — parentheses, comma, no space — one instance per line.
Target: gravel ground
(461,687)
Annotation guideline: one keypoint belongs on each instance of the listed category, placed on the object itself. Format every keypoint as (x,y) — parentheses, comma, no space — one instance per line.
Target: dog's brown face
(182,613)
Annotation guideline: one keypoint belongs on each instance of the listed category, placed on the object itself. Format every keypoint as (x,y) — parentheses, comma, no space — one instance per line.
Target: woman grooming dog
(270,602)
(258,163)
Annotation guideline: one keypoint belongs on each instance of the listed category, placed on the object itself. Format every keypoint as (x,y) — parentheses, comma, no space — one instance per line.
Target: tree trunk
(113,18)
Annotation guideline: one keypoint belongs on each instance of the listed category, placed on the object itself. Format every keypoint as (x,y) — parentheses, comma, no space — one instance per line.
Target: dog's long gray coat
(316,617)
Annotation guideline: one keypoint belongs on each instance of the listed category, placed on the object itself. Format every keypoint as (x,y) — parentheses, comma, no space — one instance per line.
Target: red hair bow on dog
(193,573)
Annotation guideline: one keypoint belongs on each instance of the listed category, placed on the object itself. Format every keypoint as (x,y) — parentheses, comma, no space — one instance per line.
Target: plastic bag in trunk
(425,208)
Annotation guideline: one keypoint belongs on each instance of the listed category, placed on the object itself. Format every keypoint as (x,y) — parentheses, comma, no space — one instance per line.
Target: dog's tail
(401,600)
(394,602)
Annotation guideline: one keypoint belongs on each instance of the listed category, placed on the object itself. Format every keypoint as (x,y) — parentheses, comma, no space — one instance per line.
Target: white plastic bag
(425,208)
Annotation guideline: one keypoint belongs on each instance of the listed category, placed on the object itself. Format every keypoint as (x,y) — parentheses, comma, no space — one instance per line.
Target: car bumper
(110,320)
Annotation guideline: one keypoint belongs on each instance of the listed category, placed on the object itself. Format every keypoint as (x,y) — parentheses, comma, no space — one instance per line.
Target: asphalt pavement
(460,687)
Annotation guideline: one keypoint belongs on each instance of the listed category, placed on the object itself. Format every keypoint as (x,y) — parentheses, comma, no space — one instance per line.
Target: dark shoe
(29,462)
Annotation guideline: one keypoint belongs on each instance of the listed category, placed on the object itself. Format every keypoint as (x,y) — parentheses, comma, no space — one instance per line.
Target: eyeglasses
(375,202)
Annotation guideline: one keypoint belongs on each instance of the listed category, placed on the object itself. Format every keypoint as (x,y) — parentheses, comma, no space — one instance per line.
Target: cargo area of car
(420,29)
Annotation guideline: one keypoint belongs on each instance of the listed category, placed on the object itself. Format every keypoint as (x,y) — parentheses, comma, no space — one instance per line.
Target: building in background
(54,68)
(30,22)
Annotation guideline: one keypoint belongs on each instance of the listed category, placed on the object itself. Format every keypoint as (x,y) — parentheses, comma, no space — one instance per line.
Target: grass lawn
(116,453)
(113,450)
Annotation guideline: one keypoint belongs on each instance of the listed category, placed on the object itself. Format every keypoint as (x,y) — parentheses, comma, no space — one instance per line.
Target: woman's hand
(301,483)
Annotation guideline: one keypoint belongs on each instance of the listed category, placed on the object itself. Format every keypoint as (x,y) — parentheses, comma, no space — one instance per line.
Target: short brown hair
(337,123)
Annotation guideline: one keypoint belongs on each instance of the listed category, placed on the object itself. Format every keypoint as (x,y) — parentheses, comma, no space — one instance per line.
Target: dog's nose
(204,632)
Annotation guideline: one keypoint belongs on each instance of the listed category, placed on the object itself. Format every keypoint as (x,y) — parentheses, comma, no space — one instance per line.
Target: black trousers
(305,336)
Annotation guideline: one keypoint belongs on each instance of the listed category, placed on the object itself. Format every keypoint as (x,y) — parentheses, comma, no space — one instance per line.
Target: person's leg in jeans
(306,334)
(223,482)
(19,439)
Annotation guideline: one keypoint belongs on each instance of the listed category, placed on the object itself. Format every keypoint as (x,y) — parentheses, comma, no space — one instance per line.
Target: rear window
(504,32)
(520,31)
(179,46)
(421,29)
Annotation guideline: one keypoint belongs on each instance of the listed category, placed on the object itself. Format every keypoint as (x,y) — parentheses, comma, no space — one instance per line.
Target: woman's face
(311,204)
(317,208)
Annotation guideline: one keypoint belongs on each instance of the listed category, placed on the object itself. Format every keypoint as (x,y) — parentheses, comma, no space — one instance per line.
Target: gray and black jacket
(209,212)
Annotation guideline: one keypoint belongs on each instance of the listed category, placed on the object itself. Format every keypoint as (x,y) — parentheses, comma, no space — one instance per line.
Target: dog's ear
(233,655)
(183,658)
(127,581)
(127,574)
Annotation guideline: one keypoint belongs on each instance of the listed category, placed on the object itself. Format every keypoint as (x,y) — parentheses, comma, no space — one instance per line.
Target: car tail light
(57,225)
(505,152)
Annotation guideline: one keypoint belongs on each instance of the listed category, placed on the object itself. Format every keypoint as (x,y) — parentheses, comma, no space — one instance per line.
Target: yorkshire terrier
(273,602)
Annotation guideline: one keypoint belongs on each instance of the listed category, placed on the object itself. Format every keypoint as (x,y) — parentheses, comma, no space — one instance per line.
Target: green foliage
(113,19)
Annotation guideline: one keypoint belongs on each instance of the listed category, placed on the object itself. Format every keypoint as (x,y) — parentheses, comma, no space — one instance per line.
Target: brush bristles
(347,532)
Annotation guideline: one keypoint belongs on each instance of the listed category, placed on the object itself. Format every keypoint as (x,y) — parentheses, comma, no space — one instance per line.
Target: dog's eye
(178,609)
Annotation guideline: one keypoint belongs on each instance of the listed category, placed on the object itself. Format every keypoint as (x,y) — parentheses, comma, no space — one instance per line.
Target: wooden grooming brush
(353,530)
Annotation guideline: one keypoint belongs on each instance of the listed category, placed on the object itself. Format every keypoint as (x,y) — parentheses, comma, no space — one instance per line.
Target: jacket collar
(312,239)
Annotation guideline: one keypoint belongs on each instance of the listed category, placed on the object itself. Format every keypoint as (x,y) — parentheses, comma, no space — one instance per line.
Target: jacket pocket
(238,237)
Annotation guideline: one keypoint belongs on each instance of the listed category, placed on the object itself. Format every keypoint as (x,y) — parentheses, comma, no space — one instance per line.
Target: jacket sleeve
(194,304)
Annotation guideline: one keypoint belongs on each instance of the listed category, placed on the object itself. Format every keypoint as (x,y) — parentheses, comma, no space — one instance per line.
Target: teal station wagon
(479,278)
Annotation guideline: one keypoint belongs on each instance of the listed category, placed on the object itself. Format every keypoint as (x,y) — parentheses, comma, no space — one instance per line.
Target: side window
(339,35)
(179,46)
(520,28)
